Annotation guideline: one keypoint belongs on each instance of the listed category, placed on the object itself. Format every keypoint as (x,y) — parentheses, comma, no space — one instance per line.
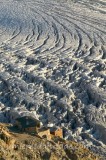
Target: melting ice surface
(53,66)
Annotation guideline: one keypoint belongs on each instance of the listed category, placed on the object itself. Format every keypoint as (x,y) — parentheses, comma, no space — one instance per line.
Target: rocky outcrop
(15,146)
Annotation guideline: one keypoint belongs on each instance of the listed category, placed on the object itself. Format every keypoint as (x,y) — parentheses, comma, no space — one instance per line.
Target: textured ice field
(53,65)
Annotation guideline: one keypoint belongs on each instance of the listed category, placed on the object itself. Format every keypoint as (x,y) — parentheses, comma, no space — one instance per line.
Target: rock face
(24,146)
(53,66)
